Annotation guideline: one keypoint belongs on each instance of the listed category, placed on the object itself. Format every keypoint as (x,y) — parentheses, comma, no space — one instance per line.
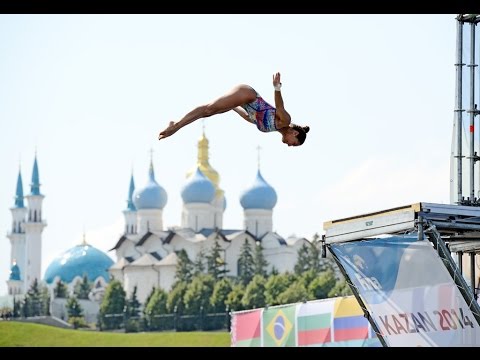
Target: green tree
(322,285)
(60,290)
(316,252)
(296,292)
(16,308)
(198,293)
(112,308)
(216,266)
(74,309)
(157,306)
(259,261)
(149,296)
(175,297)
(328,265)
(220,293)
(341,288)
(133,305)
(199,263)
(234,298)
(75,312)
(246,265)
(308,276)
(83,288)
(303,259)
(45,300)
(254,296)
(275,285)
(184,267)
(33,304)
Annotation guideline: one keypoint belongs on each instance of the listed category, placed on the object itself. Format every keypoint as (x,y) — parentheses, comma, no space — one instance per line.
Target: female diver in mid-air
(246,102)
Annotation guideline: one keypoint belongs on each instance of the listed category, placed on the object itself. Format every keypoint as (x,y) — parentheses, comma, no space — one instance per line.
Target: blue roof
(152,196)
(198,189)
(259,196)
(130,204)
(77,261)
(14,272)
(35,185)
(19,192)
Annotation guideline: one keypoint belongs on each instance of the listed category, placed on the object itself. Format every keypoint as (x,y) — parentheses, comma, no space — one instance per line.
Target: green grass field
(26,334)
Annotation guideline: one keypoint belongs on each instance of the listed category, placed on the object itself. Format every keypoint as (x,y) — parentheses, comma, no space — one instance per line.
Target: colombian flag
(246,328)
(349,322)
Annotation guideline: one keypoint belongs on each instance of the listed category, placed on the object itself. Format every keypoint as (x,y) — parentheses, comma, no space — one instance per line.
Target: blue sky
(90,94)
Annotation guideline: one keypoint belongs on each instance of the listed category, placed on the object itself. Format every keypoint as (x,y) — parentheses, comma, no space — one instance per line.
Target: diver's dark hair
(302,132)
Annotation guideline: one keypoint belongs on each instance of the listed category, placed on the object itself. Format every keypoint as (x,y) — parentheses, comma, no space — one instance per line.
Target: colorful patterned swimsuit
(262,114)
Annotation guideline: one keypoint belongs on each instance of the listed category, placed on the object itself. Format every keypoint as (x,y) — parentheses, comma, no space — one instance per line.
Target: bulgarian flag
(314,322)
(246,328)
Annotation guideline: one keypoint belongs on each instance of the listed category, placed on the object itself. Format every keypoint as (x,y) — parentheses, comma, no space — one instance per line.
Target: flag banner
(350,326)
(246,328)
(314,320)
(330,322)
(408,291)
(279,326)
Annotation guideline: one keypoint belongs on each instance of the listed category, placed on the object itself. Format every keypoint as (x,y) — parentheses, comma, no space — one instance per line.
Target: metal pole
(472,110)
(472,274)
(453,270)
(460,261)
(420,227)
(458,106)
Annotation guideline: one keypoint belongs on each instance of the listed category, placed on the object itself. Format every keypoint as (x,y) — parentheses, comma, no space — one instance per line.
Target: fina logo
(366,282)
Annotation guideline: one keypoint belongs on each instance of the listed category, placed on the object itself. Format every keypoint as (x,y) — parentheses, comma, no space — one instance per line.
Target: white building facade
(146,251)
(25,236)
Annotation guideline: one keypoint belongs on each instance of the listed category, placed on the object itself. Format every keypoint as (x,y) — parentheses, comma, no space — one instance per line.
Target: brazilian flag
(279,326)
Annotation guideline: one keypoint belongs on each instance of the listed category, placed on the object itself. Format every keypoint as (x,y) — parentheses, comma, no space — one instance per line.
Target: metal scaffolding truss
(448,227)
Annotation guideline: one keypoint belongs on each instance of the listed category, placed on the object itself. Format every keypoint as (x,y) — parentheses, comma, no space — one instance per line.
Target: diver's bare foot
(170,130)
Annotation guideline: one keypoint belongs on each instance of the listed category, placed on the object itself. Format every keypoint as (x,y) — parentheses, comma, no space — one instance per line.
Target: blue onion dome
(77,261)
(152,196)
(259,196)
(14,272)
(198,189)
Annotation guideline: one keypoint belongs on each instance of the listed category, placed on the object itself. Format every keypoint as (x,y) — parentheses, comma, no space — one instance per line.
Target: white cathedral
(146,251)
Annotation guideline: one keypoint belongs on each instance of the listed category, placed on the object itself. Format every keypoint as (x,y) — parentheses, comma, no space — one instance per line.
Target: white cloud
(379,183)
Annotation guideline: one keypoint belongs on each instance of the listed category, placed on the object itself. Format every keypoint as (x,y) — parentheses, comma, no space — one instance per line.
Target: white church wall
(167,276)
(233,252)
(270,241)
(149,220)
(282,258)
(58,308)
(153,244)
(117,274)
(178,243)
(143,277)
(127,249)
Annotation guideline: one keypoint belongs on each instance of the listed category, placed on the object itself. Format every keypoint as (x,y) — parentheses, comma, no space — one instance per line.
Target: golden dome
(204,165)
